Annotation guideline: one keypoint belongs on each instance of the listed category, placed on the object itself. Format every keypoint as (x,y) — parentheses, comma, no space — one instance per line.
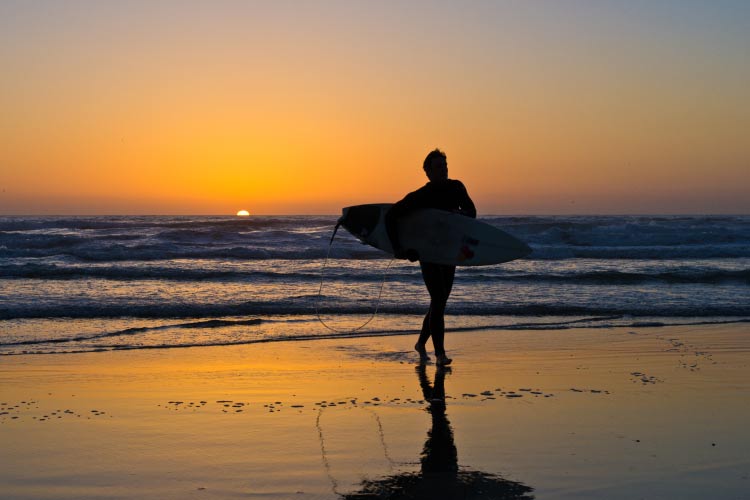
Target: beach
(586,413)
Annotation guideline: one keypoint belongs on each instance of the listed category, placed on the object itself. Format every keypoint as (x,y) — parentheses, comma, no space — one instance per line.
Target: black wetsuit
(447,195)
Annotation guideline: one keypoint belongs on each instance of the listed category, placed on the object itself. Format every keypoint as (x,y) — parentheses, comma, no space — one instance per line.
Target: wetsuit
(447,195)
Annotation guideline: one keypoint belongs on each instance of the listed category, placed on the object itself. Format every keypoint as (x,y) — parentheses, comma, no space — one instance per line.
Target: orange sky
(556,107)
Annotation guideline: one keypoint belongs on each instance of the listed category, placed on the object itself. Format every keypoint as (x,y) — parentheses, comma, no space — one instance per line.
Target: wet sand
(618,413)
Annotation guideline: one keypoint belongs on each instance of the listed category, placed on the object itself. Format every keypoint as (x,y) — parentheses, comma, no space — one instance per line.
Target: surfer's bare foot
(443,360)
(422,350)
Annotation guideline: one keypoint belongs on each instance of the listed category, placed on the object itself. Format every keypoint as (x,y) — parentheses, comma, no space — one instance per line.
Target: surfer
(444,194)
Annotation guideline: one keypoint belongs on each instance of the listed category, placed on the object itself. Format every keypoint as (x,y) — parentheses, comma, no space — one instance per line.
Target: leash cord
(320,289)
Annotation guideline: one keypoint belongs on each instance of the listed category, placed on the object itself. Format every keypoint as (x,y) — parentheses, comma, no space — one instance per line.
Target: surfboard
(438,236)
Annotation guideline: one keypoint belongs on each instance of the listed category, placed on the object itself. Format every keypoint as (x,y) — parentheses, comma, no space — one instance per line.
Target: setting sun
(243,213)
(190,131)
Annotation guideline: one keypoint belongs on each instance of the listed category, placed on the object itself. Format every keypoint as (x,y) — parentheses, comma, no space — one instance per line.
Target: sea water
(71,284)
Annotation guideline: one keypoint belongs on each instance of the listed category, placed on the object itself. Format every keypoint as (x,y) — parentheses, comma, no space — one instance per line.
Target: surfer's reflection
(440,476)
(439,455)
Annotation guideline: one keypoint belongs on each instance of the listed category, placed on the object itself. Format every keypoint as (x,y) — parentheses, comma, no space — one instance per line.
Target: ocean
(78,284)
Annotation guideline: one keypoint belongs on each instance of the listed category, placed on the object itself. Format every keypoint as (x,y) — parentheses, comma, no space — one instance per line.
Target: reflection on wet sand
(440,476)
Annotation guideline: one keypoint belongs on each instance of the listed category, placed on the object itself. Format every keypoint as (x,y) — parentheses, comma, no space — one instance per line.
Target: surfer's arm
(467,207)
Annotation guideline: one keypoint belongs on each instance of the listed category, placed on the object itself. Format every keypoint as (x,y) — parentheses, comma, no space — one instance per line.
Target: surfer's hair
(436,153)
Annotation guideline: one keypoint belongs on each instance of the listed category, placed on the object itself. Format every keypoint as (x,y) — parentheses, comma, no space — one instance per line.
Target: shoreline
(589,414)
(195,324)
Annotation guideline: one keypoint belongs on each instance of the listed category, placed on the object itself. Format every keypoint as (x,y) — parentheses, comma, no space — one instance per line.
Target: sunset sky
(304,107)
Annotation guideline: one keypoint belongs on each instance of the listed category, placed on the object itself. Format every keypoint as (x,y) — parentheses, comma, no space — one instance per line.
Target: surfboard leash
(320,288)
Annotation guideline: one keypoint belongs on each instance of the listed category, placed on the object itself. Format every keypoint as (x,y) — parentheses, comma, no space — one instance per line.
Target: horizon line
(519,214)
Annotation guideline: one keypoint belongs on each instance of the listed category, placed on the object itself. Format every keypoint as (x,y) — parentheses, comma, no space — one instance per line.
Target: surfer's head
(436,166)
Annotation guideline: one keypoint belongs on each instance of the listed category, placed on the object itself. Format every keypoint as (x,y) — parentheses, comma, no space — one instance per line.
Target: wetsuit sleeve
(464,202)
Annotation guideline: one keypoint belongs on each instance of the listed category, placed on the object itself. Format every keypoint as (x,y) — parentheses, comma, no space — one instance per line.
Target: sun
(243,213)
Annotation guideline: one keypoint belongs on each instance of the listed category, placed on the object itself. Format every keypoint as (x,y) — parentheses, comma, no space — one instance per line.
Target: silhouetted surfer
(444,194)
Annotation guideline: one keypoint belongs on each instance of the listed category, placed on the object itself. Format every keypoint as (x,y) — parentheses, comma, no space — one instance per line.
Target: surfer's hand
(410,254)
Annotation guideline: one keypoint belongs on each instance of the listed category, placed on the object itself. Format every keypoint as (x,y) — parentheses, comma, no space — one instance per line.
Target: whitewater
(72,284)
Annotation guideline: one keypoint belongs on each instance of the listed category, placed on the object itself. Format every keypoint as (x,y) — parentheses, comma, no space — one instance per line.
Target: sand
(616,413)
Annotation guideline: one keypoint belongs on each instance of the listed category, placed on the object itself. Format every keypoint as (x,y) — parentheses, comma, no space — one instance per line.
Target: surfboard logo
(466,252)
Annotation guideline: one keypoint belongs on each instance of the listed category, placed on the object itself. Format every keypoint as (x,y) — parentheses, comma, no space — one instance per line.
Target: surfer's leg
(437,328)
(424,335)
(447,274)
(436,277)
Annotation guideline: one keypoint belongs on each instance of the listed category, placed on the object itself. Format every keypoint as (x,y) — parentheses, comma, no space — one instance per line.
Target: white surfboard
(438,236)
